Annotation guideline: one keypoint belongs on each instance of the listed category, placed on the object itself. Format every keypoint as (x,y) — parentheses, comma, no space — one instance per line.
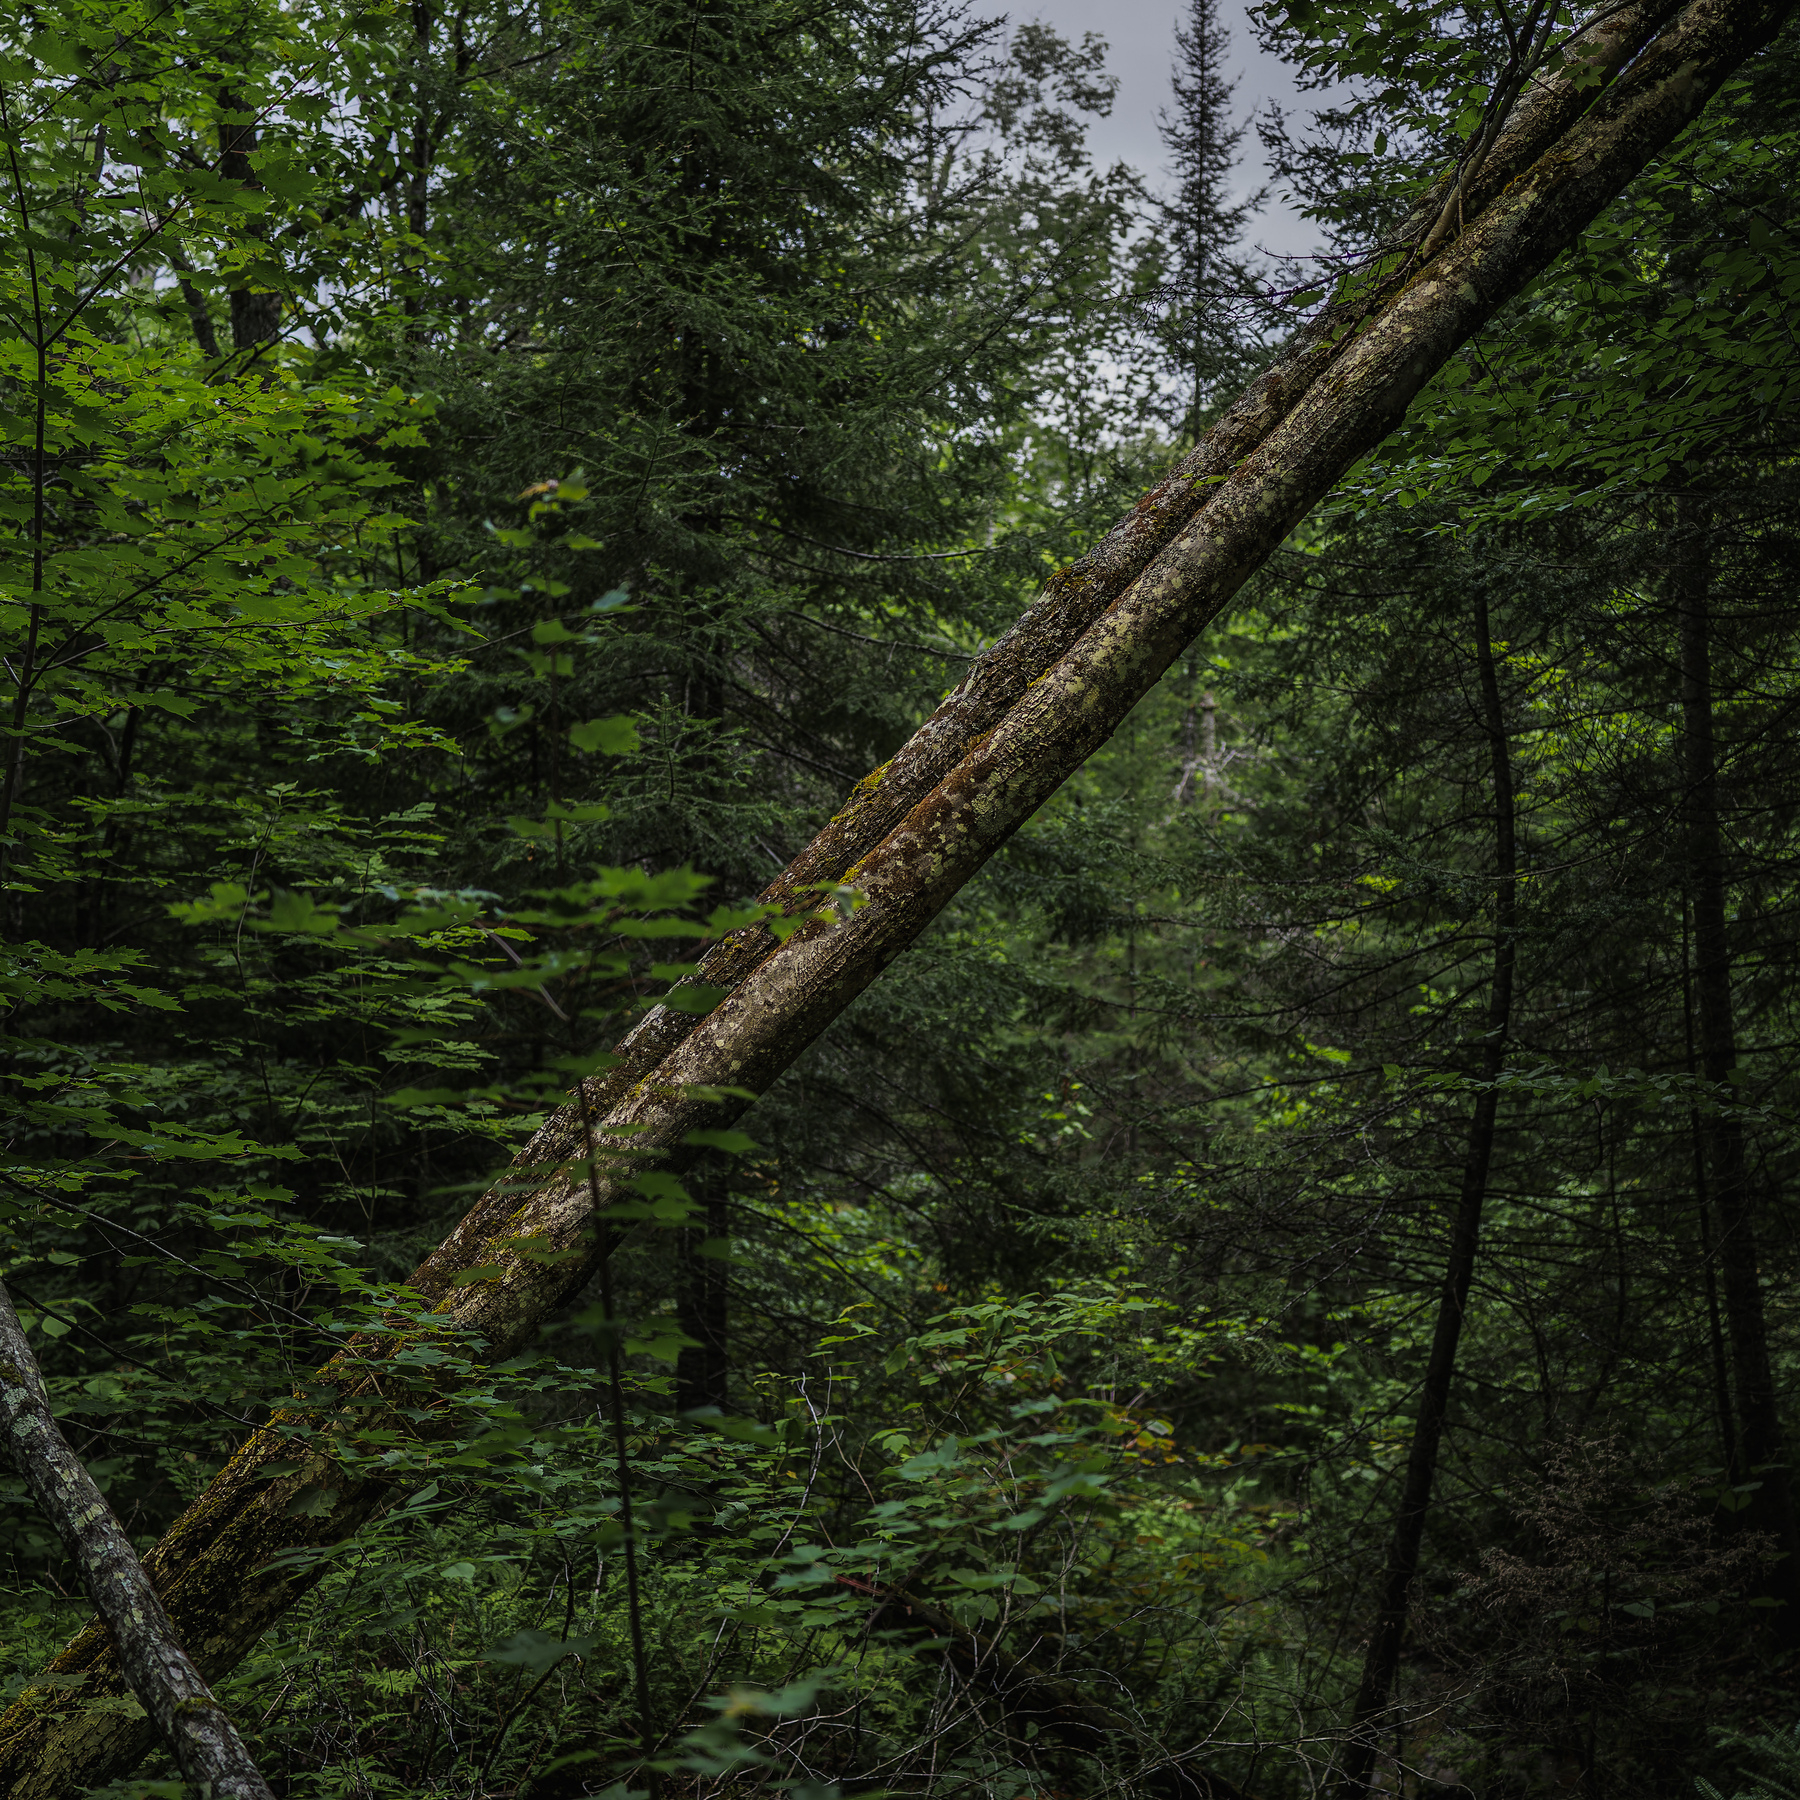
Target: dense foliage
(480,485)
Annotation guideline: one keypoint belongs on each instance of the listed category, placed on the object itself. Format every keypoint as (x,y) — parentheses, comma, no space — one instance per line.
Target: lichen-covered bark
(208,1750)
(1028,716)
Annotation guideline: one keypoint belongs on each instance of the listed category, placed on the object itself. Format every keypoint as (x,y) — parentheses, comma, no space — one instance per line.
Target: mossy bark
(1027,717)
(1081,593)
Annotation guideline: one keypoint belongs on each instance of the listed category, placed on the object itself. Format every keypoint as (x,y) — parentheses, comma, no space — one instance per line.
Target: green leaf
(665,1342)
(743,1431)
(225,900)
(481,1272)
(299,913)
(616,736)
(312,1502)
(735,1143)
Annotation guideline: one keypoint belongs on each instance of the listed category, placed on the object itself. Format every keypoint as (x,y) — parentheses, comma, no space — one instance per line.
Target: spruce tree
(1200,220)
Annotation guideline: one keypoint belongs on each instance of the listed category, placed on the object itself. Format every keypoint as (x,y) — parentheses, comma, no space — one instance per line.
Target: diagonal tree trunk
(1382,1661)
(207,1748)
(1078,595)
(1759,1434)
(1034,710)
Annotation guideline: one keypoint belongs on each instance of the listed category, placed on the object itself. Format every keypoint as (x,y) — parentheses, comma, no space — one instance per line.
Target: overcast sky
(1141,36)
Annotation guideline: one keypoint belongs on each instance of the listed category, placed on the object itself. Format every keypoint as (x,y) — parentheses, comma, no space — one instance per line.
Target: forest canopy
(836,963)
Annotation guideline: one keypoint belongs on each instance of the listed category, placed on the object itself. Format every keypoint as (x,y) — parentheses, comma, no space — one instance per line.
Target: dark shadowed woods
(836,963)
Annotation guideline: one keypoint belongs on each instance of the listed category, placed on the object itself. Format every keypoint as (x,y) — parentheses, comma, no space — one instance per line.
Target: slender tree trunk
(418,175)
(199,314)
(703,1370)
(206,1746)
(1759,1435)
(1199,747)
(1027,717)
(1728,1444)
(27,672)
(1382,1662)
(1190,746)
(199,318)
(95,887)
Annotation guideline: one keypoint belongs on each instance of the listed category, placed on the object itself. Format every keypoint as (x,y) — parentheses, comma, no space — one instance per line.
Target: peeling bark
(1028,716)
(207,1748)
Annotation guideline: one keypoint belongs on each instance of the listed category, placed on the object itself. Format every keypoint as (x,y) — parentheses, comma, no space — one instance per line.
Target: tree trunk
(195,302)
(418,174)
(1026,718)
(703,1370)
(1715,1335)
(1382,1661)
(1080,594)
(255,315)
(207,1748)
(1759,1435)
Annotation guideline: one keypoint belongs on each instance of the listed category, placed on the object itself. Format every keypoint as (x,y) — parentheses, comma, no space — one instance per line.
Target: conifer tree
(1201,221)
(777,354)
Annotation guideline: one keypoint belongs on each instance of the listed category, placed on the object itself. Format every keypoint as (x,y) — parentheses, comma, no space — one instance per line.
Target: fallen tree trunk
(1050,695)
(196,1728)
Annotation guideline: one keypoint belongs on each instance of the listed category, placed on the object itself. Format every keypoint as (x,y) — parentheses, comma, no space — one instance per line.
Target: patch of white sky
(1140,36)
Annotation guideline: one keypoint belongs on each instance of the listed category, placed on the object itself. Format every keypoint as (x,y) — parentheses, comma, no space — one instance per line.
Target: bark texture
(207,1748)
(1026,718)
(1381,1663)
(1759,1435)
(1715,1333)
